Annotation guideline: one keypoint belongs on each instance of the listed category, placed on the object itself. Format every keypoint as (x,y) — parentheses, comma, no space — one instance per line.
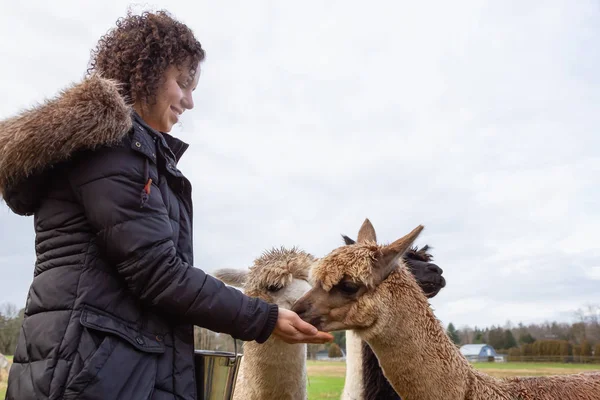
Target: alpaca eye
(274,288)
(348,287)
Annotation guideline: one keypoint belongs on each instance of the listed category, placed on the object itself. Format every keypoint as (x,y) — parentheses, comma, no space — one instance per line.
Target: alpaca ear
(422,254)
(391,254)
(347,240)
(366,233)
(233,277)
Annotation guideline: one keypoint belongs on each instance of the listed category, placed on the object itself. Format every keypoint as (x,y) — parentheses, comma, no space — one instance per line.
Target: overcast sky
(477,119)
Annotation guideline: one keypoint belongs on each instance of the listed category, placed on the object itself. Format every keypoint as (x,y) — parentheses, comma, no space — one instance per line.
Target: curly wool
(274,369)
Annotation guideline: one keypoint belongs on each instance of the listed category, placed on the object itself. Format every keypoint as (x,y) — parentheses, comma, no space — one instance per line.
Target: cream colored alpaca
(274,369)
(360,287)
(353,384)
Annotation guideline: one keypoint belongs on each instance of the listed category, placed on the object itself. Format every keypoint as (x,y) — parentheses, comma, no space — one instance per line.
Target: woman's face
(173,97)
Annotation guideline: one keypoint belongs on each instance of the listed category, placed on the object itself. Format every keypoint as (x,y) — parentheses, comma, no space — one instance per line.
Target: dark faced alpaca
(429,277)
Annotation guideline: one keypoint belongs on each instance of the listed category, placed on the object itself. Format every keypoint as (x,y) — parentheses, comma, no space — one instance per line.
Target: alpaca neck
(414,351)
(375,384)
(353,385)
(272,370)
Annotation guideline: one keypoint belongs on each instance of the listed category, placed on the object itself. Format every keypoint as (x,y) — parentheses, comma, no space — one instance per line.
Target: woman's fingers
(292,329)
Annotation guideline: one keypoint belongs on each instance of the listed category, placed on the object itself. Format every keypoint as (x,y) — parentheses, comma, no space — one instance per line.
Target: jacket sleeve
(137,239)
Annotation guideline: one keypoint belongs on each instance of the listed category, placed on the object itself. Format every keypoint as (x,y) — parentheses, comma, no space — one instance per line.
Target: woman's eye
(349,287)
(273,288)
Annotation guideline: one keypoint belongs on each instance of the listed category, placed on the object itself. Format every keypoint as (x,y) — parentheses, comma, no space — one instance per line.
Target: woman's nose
(188,102)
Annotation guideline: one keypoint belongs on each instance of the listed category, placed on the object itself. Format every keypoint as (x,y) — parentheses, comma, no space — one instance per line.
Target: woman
(115,296)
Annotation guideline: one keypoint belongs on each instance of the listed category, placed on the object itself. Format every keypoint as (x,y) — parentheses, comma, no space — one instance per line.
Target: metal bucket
(216,373)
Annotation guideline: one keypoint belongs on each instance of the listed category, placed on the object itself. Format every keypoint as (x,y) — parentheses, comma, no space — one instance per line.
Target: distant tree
(526,338)
(496,338)
(478,337)
(577,332)
(559,331)
(586,351)
(590,318)
(453,334)
(577,353)
(514,354)
(10,325)
(509,340)
(339,337)
(594,322)
(565,348)
(465,333)
(334,351)
(313,349)
(527,350)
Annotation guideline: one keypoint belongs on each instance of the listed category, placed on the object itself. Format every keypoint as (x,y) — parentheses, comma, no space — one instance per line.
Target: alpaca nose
(300,307)
(434,268)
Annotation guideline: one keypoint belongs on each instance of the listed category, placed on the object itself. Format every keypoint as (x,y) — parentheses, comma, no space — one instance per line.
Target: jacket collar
(83,116)
(177,146)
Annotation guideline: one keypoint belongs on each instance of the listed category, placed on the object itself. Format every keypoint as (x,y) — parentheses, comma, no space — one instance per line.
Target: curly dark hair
(139,50)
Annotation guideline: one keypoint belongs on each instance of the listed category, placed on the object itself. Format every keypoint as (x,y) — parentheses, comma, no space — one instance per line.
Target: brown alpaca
(361,287)
(274,369)
(364,378)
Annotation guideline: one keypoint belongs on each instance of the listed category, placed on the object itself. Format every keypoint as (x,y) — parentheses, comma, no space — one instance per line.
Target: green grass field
(3,377)
(326,379)
(325,387)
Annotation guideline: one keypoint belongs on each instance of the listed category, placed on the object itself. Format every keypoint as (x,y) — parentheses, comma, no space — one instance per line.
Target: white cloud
(476,119)
(593,273)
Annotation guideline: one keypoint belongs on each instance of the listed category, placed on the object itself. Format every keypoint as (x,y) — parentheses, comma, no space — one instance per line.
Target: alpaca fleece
(275,369)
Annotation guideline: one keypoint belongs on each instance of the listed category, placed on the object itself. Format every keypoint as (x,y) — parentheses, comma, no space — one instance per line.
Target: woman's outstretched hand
(291,329)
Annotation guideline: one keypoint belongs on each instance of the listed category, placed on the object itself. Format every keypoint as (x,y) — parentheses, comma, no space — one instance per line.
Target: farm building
(478,352)
(323,355)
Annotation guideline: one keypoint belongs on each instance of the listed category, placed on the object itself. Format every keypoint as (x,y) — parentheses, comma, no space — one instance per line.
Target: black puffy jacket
(114,297)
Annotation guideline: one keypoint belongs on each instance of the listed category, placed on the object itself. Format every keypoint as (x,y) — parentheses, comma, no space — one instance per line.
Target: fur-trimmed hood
(83,116)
